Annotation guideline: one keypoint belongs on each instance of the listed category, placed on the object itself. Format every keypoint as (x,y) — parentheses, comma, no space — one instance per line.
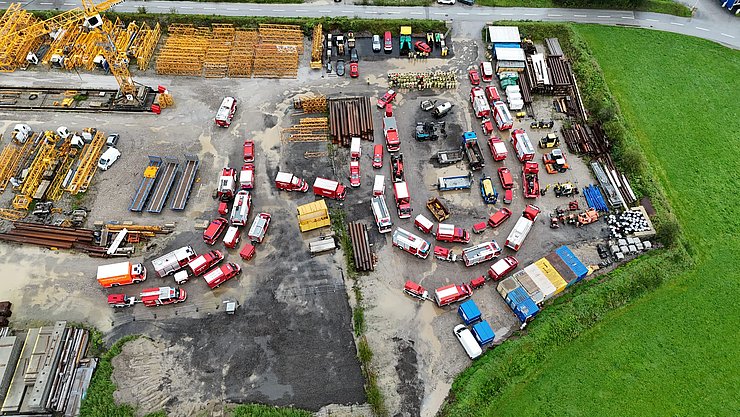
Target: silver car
(376,43)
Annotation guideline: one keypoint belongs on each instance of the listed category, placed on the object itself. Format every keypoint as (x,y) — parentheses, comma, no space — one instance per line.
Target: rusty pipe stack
(350,117)
(52,237)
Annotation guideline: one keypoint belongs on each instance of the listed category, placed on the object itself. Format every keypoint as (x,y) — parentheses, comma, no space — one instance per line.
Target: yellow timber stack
(317,47)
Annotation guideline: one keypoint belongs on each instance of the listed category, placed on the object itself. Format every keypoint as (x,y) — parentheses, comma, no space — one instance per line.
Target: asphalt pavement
(709,22)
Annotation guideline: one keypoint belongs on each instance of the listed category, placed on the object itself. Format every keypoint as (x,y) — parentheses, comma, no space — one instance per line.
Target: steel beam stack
(364,257)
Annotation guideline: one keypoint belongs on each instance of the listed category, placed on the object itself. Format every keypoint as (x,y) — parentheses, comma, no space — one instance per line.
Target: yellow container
(313,216)
(552,274)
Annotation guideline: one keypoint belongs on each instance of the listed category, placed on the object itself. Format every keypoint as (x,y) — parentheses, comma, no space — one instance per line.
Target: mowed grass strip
(674,351)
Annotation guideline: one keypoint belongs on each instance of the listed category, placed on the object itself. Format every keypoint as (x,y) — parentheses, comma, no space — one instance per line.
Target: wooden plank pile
(364,257)
(350,117)
(586,139)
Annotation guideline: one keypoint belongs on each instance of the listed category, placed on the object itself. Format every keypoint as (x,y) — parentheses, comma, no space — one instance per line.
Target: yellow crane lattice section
(317,47)
(241,59)
(45,156)
(88,164)
(67,157)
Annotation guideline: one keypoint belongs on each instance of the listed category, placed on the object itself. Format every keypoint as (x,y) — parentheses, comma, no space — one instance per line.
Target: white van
(108,158)
(468,342)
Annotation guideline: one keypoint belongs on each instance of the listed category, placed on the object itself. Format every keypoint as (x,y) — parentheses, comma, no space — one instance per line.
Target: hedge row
(359,26)
(586,304)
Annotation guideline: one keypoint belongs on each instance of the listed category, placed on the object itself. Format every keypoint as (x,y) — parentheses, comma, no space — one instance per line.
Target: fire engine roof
(325,183)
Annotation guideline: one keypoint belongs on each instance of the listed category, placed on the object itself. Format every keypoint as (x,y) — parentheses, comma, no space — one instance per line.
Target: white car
(376,42)
(108,158)
(468,342)
(446,1)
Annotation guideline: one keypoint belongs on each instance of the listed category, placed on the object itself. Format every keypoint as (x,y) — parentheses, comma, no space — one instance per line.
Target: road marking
(254,10)
(677,24)
(371,12)
(278,10)
(394,12)
(347,12)
(530,14)
(186,7)
(231,9)
(209,8)
(507,14)
(579,15)
(652,20)
(627,17)
(463,14)
(729,36)
(554,15)
(414,13)
(46,4)
(301,10)
(704,29)
(439,13)
(483,14)
(325,11)
(604,17)
(161,7)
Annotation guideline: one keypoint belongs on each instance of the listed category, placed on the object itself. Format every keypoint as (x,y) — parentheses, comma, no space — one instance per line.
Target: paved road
(708,23)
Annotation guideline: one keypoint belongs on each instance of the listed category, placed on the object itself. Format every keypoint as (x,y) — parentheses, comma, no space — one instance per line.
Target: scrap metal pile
(350,117)
(422,80)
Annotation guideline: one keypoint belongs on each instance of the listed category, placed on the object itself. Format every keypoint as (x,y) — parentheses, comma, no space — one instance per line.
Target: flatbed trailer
(98,100)
(182,191)
(450,156)
(457,182)
(167,174)
(151,173)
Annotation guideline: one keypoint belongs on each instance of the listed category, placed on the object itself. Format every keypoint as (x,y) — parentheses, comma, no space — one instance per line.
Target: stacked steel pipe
(53,237)
(585,139)
(364,257)
(350,117)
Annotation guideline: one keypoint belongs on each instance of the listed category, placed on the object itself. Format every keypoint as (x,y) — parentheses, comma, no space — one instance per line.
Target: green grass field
(673,352)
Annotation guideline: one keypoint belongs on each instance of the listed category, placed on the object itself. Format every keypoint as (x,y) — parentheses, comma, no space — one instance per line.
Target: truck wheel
(114,285)
(136,281)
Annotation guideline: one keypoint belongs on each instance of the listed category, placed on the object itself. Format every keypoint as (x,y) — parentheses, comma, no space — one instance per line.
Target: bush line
(567,317)
(359,26)
(364,352)
(259,410)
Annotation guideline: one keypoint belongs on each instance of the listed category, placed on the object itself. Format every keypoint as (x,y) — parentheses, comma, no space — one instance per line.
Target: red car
(387,98)
(499,217)
(508,196)
(249,150)
(378,156)
(422,46)
(354,69)
(214,230)
(354,173)
(502,267)
(498,148)
(507,181)
(474,77)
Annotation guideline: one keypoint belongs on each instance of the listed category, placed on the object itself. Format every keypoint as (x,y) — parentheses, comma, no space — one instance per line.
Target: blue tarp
(483,333)
(572,261)
(469,312)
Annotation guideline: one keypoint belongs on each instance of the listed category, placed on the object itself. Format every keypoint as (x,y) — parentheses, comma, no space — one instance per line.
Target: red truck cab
(450,233)
(214,230)
(289,182)
(403,199)
(203,262)
(378,156)
(248,150)
(221,274)
(325,187)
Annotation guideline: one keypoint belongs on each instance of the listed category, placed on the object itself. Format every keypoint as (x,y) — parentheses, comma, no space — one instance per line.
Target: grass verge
(364,353)
(588,356)
(98,401)
(657,6)
(259,410)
